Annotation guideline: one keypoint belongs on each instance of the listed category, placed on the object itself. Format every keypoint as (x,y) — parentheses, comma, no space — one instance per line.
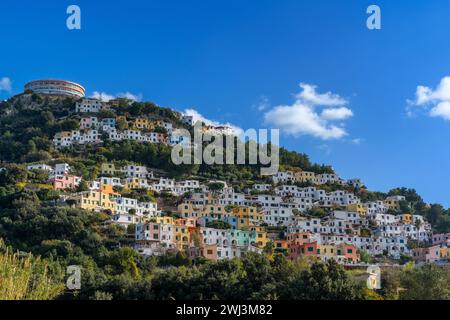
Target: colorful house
(260,236)
(96,200)
(348,251)
(142,123)
(164,220)
(181,237)
(89,123)
(304,176)
(108,168)
(65,182)
(357,207)
(429,255)
(248,216)
(281,246)
(406,218)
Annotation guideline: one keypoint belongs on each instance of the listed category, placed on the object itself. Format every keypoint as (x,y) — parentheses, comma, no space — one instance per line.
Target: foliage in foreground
(25,277)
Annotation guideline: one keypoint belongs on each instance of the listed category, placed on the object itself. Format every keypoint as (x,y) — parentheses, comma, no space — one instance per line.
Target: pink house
(441,238)
(298,250)
(431,254)
(65,182)
(88,123)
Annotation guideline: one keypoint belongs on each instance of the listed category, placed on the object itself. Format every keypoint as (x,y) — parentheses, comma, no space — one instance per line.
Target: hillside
(68,176)
(28,123)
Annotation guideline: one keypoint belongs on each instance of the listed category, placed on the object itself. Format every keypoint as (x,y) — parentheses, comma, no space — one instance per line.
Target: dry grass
(26,277)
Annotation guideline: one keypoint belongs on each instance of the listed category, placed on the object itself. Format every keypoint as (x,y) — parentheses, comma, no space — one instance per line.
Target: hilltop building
(57,87)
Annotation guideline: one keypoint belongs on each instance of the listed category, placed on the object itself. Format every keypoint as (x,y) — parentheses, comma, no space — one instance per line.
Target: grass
(26,277)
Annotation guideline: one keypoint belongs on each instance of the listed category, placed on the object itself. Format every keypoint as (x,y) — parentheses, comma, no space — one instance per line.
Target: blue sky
(230,59)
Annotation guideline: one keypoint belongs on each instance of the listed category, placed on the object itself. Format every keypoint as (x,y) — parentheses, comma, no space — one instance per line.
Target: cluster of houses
(300,176)
(222,223)
(94,130)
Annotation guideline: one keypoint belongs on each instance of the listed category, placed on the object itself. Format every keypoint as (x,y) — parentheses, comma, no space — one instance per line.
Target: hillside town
(213,221)
(94,130)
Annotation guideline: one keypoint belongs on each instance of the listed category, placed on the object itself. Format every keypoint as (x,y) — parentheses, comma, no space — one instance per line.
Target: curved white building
(58,87)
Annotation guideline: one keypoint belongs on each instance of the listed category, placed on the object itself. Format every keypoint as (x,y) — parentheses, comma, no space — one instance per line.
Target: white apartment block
(182,187)
(88,105)
(279,217)
(112,181)
(61,169)
(283,177)
(40,166)
(262,187)
(163,184)
(327,178)
(232,198)
(375,207)
(127,205)
(125,219)
(133,171)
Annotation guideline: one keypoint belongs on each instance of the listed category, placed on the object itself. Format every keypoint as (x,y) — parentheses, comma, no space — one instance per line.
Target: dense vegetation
(32,221)
(24,277)
(111,269)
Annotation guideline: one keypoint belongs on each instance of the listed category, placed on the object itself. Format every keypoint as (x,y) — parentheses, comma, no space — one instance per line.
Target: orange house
(108,189)
(299,238)
(301,250)
(349,251)
(281,246)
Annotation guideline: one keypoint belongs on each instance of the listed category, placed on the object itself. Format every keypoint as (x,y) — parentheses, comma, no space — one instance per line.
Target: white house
(133,171)
(279,217)
(40,166)
(88,105)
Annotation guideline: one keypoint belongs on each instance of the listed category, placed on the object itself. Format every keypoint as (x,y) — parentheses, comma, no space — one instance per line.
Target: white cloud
(102,96)
(426,95)
(303,117)
(357,141)
(5,84)
(436,102)
(106,96)
(263,103)
(442,110)
(336,113)
(310,96)
(196,116)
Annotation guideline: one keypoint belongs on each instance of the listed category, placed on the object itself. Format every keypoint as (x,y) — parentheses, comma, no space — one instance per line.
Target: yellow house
(326,251)
(108,168)
(64,134)
(357,207)
(392,203)
(445,253)
(181,237)
(188,210)
(261,236)
(406,218)
(142,123)
(158,123)
(164,220)
(215,211)
(136,183)
(304,176)
(97,201)
(121,118)
(247,217)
